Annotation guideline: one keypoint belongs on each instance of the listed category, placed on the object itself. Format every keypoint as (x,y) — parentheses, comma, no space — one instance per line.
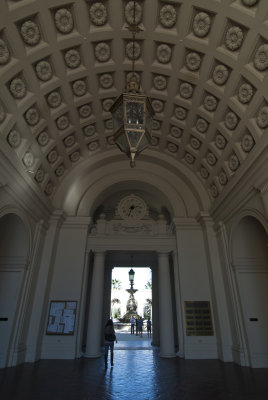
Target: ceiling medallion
(132,111)
(4,53)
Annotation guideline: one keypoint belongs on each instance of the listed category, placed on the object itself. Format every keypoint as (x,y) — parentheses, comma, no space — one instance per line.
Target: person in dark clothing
(109,339)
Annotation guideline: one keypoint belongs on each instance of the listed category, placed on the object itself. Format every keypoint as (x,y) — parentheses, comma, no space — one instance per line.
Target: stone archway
(250,263)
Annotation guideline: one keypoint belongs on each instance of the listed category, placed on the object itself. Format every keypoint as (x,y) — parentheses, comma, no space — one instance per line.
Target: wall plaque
(198,318)
(61,317)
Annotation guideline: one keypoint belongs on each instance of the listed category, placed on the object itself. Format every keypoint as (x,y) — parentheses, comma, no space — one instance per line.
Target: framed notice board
(198,318)
(61,317)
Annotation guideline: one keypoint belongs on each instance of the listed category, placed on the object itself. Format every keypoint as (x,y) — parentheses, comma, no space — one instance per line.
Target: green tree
(148,285)
(147,310)
(116,284)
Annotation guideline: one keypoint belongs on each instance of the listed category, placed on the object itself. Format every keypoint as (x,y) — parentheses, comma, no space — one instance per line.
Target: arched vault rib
(77,196)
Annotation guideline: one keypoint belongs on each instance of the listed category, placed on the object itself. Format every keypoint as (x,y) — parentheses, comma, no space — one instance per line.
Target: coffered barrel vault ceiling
(202,62)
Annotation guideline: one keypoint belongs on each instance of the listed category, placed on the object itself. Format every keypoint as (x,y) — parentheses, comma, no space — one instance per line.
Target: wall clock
(132,207)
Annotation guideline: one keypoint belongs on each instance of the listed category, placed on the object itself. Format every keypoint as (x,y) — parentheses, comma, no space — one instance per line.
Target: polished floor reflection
(137,374)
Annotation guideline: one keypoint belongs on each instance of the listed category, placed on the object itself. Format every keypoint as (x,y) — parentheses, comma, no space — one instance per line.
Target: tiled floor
(137,374)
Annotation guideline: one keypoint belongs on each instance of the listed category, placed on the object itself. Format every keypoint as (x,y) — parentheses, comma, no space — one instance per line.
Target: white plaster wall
(194,284)
(67,283)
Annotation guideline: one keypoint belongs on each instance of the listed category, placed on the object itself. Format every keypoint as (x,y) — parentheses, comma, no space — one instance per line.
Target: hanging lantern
(132,120)
(132,113)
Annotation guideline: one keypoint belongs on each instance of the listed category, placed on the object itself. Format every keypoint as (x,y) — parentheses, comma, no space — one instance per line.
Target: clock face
(132,207)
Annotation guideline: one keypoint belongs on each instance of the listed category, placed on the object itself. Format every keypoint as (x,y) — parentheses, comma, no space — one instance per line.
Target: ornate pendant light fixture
(132,111)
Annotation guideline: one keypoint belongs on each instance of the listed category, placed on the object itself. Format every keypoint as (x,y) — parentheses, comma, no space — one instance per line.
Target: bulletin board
(198,318)
(61,317)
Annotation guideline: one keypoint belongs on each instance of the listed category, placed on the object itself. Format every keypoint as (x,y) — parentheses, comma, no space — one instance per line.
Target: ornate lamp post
(131,274)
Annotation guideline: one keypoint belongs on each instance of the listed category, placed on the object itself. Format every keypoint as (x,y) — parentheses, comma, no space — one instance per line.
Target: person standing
(132,325)
(109,339)
(140,325)
(149,327)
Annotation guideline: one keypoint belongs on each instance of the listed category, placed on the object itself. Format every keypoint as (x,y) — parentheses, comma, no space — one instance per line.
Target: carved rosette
(14,139)
(223,178)
(93,146)
(250,3)
(106,81)
(110,140)
(245,93)
(201,24)
(231,120)
(158,106)
(72,58)
(28,159)
(201,125)
(163,53)
(62,122)
(108,124)
(49,188)
(233,162)
(75,156)
(30,33)
(54,99)
(156,125)
(129,13)
(195,143)
(189,158)
(106,104)
(43,70)
(214,191)
(220,74)
(98,14)
(176,132)
(172,147)
(234,38)
(160,82)
(204,173)
(186,90)
(220,141)
(262,117)
(59,171)
(69,141)
(39,176)
(89,130)
(154,141)
(261,58)
(18,88)
(43,139)
(168,16)
(85,111)
(79,87)
(4,53)
(32,116)
(193,61)
(133,50)
(211,159)
(64,21)
(52,156)
(247,143)
(210,103)
(102,52)
(180,113)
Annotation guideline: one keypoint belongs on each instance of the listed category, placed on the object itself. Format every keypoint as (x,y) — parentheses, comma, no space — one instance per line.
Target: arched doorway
(14,244)
(250,262)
